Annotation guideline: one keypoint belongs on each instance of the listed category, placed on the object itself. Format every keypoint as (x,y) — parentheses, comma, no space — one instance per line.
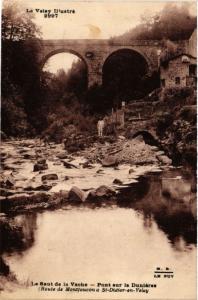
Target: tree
(20,69)
(174,22)
(16,23)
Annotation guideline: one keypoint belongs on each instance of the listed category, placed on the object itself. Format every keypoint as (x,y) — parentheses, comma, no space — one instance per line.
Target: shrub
(14,118)
(163,122)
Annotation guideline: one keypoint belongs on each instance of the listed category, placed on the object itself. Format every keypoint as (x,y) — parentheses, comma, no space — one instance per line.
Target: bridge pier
(94,75)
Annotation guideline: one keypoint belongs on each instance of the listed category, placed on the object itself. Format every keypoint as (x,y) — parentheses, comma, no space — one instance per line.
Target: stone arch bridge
(94,52)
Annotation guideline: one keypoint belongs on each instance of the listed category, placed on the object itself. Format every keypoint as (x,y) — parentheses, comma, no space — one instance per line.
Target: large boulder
(109,161)
(131,170)
(104,190)
(77,195)
(117,181)
(164,159)
(102,193)
(49,177)
(40,167)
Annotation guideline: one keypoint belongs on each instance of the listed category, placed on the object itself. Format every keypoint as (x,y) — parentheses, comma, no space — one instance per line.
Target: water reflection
(169,199)
(17,235)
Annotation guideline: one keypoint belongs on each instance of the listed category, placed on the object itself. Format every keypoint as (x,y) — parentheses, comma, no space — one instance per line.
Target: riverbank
(36,175)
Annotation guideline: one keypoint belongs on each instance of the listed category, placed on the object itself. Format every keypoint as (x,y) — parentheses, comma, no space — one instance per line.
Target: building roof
(186,55)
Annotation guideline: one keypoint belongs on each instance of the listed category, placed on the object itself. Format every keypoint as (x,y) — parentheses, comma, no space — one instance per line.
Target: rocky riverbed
(36,175)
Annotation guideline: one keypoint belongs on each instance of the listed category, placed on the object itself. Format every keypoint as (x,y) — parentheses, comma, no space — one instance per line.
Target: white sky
(93,19)
(60,61)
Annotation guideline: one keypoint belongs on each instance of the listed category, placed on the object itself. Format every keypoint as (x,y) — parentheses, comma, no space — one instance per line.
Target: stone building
(179,71)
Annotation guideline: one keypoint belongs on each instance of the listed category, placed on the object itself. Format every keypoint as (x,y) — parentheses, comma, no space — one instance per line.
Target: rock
(57,163)
(36,187)
(5,192)
(116,168)
(117,181)
(77,195)
(139,138)
(87,165)
(100,171)
(41,161)
(109,161)
(158,153)
(104,190)
(155,148)
(29,155)
(7,181)
(24,201)
(131,171)
(4,155)
(40,167)
(68,165)
(44,187)
(10,181)
(66,178)
(62,155)
(164,159)
(49,177)
(102,193)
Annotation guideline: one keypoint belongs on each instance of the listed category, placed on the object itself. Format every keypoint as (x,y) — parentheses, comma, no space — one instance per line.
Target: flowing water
(151,225)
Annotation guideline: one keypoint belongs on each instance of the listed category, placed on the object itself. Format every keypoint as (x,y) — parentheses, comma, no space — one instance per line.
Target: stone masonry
(95,52)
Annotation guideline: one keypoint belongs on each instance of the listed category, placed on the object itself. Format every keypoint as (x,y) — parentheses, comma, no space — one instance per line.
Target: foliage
(163,122)
(174,22)
(20,69)
(98,100)
(64,121)
(76,78)
(16,23)
(14,118)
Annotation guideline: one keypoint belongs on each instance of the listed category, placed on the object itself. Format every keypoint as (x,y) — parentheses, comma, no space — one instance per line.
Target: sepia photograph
(98,150)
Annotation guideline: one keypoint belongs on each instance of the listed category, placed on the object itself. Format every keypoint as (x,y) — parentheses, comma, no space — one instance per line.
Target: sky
(92,19)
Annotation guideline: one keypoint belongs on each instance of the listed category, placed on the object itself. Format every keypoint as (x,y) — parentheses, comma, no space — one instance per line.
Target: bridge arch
(62,50)
(132,50)
(148,137)
(124,72)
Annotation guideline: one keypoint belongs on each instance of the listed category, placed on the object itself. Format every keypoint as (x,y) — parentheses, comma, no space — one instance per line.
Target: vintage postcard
(98,150)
